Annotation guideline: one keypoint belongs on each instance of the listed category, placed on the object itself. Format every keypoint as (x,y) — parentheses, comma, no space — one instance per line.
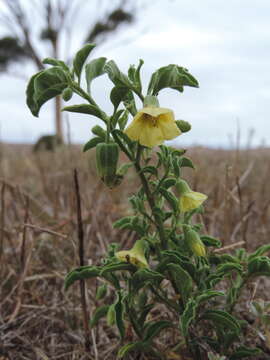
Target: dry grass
(38,238)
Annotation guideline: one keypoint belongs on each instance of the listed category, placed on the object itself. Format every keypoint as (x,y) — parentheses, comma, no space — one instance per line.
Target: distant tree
(31,23)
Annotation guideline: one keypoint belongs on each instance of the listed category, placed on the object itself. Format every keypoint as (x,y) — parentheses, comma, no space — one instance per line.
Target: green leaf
(150,169)
(260,251)
(44,86)
(143,276)
(210,241)
(171,198)
(186,162)
(81,57)
(116,76)
(121,223)
(117,267)
(55,62)
(206,295)
(118,94)
(259,265)
(223,270)
(134,346)
(169,182)
(92,143)
(144,312)
(123,119)
(30,92)
(222,319)
(119,315)
(188,316)
(80,273)
(243,352)
(182,280)
(171,76)
(94,69)
(85,109)
(172,256)
(99,313)
(122,136)
(152,329)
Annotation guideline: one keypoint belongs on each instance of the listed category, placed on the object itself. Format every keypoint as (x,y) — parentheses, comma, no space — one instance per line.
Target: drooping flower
(189,199)
(152,125)
(194,242)
(135,255)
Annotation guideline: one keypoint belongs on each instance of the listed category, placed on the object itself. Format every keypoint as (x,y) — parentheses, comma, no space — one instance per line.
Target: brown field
(38,237)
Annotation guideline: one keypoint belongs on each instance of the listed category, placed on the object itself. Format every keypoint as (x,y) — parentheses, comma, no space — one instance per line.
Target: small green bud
(194,243)
(183,125)
(101,292)
(111,315)
(98,131)
(67,94)
(106,160)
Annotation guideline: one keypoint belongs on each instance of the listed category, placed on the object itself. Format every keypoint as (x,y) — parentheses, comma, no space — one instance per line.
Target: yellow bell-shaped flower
(135,255)
(189,199)
(152,125)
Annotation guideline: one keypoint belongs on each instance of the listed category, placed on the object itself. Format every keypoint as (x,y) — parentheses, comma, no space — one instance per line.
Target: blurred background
(225,45)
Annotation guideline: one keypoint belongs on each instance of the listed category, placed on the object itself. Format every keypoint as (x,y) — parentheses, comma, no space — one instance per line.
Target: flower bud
(134,256)
(111,315)
(183,125)
(194,243)
(67,94)
(101,291)
(106,159)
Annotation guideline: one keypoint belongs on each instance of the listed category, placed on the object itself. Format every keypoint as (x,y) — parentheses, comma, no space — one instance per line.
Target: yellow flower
(134,256)
(189,199)
(152,125)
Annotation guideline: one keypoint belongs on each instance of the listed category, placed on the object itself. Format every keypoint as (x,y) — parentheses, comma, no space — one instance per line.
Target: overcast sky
(224,44)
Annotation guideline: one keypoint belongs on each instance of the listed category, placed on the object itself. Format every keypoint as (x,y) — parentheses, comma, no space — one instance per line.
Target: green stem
(78,90)
(150,199)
